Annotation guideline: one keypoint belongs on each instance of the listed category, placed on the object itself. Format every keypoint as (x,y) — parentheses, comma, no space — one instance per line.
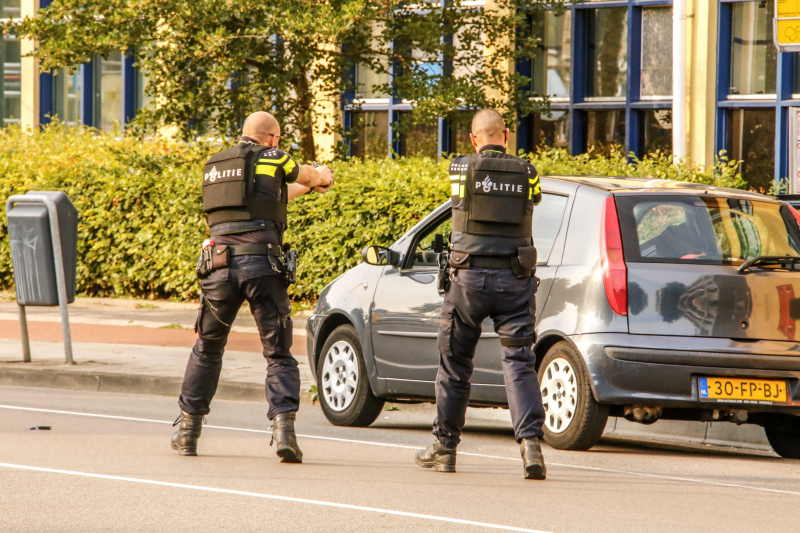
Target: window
(657,131)
(424,256)
(460,127)
(108,91)
(607,52)
(373,134)
(551,67)
(10,73)
(417,139)
(754,58)
(656,77)
(67,96)
(705,230)
(142,99)
(605,130)
(551,131)
(10,9)
(367,79)
(751,139)
(547,217)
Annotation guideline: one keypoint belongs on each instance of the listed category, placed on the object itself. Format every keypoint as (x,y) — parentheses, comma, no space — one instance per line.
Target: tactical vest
(492,204)
(229,189)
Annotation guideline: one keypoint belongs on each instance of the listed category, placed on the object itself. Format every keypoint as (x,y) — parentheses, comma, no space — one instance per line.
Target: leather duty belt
(255,249)
(480,261)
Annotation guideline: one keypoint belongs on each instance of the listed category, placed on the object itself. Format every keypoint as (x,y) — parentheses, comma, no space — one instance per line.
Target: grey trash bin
(43,230)
(32,249)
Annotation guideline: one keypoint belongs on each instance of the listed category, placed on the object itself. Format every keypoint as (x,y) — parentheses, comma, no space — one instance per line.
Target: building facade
(605,64)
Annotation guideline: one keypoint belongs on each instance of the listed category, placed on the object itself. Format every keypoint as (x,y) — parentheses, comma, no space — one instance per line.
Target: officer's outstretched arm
(295,189)
(315,177)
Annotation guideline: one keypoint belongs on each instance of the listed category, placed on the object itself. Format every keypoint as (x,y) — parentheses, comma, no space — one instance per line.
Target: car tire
(574,420)
(785,443)
(343,386)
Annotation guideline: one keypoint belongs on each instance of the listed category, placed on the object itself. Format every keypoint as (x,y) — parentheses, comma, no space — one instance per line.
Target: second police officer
(245,192)
(492,261)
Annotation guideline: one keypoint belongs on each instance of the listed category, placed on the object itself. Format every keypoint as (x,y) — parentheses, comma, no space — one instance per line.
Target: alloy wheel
(559,395)
(340,376)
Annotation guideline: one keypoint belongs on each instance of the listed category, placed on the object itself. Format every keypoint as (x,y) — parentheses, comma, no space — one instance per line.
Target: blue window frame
(625,109)
(85,87)
(753,100)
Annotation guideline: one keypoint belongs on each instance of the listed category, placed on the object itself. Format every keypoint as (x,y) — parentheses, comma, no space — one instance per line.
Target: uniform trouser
(511,303)
(224,292)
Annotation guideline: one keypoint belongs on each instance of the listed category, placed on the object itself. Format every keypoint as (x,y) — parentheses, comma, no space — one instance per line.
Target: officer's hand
(325,179)
(322,190)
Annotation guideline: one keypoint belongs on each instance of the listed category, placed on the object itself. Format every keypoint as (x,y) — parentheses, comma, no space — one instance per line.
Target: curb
(126,383)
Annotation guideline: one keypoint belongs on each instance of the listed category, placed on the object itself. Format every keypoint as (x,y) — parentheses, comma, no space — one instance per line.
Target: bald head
(488,128)
(262,127)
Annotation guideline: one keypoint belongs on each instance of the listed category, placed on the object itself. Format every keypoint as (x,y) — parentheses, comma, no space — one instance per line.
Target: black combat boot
(438,457)
(533,459)
(283,434)
(185,439)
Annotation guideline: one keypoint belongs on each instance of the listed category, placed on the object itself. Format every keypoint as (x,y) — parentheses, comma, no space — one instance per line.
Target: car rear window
(704,229)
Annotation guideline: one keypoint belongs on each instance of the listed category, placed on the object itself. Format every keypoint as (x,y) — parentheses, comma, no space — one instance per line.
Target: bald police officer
(492,260)
(245,193)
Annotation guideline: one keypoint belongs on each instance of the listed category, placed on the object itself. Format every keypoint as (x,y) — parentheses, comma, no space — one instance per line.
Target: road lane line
(272,497)
(403,446)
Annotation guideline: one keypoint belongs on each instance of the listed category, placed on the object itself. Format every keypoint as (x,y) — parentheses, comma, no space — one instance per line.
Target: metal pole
(23,319)
(61,279)
(23,328)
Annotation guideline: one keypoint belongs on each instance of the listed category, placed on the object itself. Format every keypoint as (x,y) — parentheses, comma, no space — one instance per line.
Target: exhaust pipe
(642,414)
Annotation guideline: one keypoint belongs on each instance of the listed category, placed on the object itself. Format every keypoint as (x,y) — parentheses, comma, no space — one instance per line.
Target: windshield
(710,230)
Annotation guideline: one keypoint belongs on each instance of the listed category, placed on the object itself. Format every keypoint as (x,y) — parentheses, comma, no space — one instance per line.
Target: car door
(405,315)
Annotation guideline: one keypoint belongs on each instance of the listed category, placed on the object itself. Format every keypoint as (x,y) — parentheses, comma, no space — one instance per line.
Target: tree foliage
(211,62)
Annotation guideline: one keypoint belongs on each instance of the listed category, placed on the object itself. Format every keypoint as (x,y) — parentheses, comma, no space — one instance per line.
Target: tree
(211,62)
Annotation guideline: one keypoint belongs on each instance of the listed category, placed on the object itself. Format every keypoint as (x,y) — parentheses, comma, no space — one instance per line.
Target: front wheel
(573,419)
(785,443)
(342,383)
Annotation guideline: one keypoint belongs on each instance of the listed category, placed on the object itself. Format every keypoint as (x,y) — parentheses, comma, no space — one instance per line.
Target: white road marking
(390,445)
(271,497)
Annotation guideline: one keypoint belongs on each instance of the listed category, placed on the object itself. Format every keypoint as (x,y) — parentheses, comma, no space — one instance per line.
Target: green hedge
(141,220)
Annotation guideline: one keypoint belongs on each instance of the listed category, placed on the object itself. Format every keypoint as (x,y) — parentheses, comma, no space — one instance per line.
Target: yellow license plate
(742,390)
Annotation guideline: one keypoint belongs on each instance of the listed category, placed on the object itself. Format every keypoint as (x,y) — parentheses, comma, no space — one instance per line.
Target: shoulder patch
(459,164)
(273,153)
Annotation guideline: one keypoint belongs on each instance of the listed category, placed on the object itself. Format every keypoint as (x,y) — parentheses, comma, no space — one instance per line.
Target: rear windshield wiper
(784,261)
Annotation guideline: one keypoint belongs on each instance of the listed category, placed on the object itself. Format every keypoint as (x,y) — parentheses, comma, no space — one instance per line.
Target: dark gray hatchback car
(657,300)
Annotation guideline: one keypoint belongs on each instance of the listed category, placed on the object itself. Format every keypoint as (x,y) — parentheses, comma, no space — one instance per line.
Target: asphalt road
(116,472)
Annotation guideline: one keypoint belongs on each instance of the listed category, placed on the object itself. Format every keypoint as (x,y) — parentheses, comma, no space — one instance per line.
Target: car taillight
(612,260)
(796,215)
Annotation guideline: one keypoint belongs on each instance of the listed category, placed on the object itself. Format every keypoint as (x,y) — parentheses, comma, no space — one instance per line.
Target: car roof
(617,184)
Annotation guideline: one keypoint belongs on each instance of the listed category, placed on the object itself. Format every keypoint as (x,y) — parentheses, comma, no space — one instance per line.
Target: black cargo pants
(511,303)
(250,278)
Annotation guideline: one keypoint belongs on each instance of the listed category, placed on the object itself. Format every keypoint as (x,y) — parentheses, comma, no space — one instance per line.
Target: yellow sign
(787,8)
(787,23)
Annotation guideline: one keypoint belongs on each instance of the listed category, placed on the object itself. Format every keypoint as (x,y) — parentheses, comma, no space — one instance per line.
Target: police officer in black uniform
(245,192)
(492,262)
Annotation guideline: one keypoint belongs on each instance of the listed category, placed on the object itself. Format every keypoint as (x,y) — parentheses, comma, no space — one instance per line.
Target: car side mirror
(380,256)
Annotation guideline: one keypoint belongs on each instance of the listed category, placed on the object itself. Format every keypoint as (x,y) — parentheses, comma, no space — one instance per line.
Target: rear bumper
(664,371)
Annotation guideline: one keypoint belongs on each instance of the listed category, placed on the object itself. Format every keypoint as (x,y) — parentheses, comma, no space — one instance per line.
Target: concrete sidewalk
(136,346)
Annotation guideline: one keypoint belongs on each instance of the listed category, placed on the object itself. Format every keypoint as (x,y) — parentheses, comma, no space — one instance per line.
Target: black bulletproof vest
(492,212)
(229,188)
